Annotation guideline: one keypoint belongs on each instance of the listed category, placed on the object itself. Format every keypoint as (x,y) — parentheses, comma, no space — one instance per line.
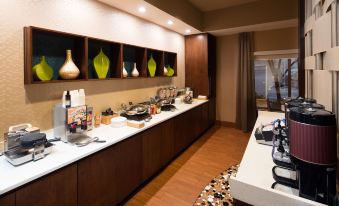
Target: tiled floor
(183,180)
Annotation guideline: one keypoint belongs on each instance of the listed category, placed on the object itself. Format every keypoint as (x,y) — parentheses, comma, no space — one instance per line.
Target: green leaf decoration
(170,71)
(152,66)
(42,71)
(101,65)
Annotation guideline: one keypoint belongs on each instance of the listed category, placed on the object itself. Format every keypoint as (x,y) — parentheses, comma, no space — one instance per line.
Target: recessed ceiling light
(187,31)
(170,22)
(142,9)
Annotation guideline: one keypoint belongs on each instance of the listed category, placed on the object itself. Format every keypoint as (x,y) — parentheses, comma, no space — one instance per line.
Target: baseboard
(225,123)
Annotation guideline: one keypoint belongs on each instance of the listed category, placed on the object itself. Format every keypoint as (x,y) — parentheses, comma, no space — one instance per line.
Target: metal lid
(312,116)
(31,139)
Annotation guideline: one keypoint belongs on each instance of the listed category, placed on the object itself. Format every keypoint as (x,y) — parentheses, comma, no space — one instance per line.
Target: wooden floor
(182,181)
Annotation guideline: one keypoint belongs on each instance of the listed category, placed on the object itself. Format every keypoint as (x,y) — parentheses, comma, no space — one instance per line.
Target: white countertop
(253,181)
(64,154)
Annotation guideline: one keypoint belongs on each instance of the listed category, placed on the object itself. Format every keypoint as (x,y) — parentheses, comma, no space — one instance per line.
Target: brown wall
(227,64)
(279,39)
(250,14)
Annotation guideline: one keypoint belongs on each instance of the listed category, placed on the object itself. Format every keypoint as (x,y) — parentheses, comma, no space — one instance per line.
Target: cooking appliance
(22,146)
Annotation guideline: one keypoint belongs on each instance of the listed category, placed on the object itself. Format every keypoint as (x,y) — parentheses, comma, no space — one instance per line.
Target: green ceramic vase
(170,71)
(42,71)
(101,65)
(152,66)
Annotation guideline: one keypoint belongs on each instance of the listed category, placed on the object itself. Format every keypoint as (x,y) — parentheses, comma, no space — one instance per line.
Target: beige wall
(279,39)
(227,64)
(21,103)
(250,14)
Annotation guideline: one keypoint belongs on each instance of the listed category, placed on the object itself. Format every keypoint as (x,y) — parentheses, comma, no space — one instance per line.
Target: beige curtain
(246,101)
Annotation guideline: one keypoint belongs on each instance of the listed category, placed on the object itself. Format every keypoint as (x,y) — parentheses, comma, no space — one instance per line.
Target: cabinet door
(128,161)
(204,117)
(167,143)
(152,146)
(109,176)
(97,180)
(8,199)
(211,112)
(58,188)
(181,131)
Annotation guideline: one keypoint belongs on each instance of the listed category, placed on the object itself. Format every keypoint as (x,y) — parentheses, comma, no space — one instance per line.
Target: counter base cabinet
(157,146)
(109,176)
(8,200)
(58,188)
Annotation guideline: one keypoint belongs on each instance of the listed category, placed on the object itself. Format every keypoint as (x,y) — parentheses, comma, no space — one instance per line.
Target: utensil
(94,139)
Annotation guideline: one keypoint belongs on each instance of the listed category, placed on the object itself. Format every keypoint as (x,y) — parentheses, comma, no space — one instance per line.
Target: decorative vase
(165,71)
(124,71)
(152,66)
(170,71)
(69,70)
(135,72)
(101,65)
(42,71)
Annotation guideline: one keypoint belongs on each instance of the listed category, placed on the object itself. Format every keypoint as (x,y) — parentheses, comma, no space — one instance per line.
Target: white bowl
(118,122)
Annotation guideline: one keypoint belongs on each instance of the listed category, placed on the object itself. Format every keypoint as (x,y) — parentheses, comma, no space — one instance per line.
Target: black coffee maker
(313,151)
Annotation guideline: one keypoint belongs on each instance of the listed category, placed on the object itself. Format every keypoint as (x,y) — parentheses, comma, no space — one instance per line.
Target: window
(276,77)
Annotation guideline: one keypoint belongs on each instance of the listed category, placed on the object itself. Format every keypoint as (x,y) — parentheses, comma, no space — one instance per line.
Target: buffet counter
(63,154)
(254,179)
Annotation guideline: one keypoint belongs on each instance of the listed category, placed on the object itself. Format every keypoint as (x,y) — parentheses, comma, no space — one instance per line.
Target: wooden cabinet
(200,65)
(181,132)
(58,188)
(158,144)
(8,199)
(107,177)
(211,111)
(204,124)
(151,151)
(96,179)
(128,161)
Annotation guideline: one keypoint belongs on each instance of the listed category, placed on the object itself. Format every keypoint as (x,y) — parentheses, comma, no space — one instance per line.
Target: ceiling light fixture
(187,31)
(142,9)
(170,22)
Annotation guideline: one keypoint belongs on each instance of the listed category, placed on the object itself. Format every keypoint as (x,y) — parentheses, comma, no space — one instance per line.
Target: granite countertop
(64,154)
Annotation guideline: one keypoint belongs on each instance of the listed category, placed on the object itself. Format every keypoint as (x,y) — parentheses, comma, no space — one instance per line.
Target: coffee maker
(313,151)
(70,124)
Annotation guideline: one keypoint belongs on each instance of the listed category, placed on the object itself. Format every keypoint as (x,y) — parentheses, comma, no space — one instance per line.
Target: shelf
(40,42)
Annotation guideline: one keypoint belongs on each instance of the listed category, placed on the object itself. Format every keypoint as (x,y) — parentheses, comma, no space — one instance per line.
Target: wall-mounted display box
(52,44)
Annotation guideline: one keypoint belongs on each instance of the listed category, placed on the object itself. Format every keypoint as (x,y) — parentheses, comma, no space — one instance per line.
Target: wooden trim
(225,123)
(28,49)
(301,44)
(276,52)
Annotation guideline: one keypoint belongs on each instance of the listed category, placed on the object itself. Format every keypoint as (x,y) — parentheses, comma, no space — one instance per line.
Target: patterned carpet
(217,192)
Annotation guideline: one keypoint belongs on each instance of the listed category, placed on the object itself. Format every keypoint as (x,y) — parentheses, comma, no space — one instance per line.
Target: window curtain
(246,100)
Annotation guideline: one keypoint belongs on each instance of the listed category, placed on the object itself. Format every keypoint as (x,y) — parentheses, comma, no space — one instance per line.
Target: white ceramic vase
(165,71)
(69,70)
(124,72)
(135,72)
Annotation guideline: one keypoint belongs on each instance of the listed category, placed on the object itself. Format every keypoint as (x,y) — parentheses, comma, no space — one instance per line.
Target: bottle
(82,100)
(67,100)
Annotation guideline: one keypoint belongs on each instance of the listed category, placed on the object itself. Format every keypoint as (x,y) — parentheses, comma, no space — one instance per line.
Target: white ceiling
(210,5)
(152,14)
